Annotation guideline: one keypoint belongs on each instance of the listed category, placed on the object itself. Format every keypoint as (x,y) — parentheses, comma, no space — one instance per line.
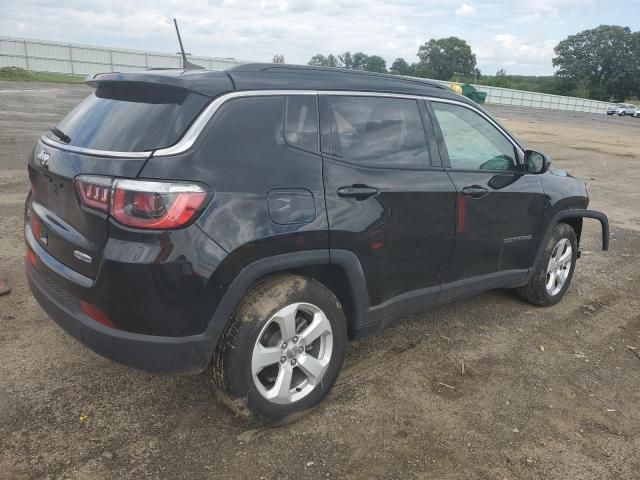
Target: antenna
(184,55)
(186,64)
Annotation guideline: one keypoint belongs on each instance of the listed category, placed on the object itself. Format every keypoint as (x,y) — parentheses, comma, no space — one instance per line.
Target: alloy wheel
(559,266)
(292,353)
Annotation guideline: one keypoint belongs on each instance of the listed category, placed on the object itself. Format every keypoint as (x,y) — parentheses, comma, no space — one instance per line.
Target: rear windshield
(129,117)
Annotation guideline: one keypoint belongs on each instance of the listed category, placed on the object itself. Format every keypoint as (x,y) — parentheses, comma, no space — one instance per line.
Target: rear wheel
(282,351)
(552,275)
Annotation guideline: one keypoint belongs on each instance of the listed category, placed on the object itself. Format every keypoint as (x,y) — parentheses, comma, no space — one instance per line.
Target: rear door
(500,207)
(386,201)
(110,134)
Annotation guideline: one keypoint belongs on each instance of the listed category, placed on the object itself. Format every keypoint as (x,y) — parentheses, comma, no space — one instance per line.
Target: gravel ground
(545,393)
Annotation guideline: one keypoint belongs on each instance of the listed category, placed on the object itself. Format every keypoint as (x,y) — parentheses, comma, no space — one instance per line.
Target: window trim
(192,134)
(444,152)
(284,127)
(431,132)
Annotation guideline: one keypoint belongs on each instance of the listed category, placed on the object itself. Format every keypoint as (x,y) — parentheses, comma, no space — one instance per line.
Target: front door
(500,207)
(386,203)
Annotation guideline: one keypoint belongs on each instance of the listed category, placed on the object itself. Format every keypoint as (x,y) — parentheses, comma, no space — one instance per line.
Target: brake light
(155,205)
(142,203)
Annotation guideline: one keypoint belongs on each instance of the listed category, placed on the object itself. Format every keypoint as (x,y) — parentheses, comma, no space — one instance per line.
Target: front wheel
(552,275)
(282,351)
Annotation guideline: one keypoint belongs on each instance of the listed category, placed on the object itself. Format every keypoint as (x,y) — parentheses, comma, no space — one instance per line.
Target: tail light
(95,192)
(155,205)
(142,203)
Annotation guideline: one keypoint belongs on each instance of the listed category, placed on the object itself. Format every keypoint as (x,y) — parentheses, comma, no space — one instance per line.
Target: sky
(518,36)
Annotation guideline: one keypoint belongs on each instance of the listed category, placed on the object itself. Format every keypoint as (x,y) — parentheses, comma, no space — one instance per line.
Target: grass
(20,74)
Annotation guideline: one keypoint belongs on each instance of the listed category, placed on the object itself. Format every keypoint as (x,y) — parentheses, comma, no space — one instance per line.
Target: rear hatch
(111,133)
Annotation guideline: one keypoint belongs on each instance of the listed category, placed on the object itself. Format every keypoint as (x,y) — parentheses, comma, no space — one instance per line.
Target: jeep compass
(251,222)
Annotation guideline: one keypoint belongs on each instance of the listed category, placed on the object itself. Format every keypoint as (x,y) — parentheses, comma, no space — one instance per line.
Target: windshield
(130,117)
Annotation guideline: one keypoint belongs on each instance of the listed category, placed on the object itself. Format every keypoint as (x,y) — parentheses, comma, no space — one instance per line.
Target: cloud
(544,10)
(298,29)
(508,51)
(465,10)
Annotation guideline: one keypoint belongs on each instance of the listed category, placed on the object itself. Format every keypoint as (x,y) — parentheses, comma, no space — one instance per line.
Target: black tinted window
(132,117)
(302,121)
(377,131)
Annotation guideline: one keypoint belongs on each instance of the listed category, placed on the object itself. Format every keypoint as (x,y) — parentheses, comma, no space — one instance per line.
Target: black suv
(252,221)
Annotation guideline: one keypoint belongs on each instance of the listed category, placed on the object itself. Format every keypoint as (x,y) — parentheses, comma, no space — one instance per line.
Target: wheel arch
(574,217)
(339,271)
(576,224)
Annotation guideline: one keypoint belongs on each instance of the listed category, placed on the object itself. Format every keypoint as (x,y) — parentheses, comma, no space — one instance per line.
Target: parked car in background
(637,114)
(613,109)
(627,110)
(253,221)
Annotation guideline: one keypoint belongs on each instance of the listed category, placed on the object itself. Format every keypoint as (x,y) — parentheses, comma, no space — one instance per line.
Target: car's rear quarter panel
(242,156)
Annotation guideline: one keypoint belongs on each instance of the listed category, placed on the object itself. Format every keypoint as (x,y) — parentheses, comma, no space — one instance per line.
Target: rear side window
(130,117)
(301,121)
(378,131)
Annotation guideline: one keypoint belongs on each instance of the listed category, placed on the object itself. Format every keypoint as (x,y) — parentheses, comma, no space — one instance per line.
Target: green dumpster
(471,92)
(479,97)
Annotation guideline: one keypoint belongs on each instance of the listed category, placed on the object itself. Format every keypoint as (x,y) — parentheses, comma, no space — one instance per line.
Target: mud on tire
(231,369)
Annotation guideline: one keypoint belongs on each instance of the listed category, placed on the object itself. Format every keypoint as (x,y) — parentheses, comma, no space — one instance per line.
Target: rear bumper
(149,353)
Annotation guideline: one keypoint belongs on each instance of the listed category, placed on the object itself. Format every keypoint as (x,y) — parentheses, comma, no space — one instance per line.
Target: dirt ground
(545,393)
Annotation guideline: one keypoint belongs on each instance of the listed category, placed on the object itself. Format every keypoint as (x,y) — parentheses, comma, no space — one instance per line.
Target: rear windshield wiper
(60,134)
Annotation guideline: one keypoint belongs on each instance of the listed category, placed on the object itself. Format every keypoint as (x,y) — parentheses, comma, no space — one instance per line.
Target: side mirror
(536,162)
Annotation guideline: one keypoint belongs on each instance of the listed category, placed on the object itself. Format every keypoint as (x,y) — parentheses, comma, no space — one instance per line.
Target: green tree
(443,58)
(605,60)
(502,80)
(332,61)
(635,63)
(374,63)
(318,60)
(359,60)
(401,67)
(278,58)
(346,60)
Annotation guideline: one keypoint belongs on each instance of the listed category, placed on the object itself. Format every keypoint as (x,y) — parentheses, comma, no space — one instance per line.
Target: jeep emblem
(44,159)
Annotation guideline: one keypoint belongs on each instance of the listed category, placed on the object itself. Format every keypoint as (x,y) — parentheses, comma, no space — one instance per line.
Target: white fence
(73,59)
(521,98)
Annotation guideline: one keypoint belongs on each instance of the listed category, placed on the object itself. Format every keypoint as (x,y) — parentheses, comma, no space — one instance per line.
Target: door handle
(359,192)
(475,191)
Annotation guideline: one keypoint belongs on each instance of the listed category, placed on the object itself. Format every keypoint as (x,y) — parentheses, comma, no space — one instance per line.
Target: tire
(252,390)
(550,280)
